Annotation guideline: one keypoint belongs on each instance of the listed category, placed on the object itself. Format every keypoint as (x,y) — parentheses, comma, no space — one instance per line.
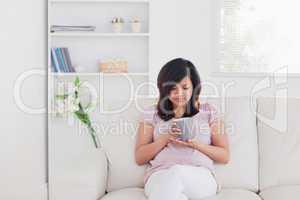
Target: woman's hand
(173,133)
(193,143)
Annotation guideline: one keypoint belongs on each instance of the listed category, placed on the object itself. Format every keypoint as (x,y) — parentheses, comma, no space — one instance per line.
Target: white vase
(136,27)
(117,27)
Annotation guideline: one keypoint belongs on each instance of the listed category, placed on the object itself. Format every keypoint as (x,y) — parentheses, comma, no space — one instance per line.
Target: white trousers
(181,182)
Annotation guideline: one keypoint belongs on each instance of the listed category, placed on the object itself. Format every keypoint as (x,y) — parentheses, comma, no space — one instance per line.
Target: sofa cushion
(240,125)
(281,192)
(279,141)
(118,135)
(118,142)
(138,194)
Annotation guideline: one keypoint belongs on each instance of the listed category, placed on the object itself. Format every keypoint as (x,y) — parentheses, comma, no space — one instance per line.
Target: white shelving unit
(99,74)
(95,34)
(86,49)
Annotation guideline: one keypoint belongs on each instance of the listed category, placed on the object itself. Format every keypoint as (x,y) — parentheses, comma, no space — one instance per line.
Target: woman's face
(182,92)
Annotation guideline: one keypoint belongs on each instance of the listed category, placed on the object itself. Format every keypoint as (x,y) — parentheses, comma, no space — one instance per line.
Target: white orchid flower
(67,103)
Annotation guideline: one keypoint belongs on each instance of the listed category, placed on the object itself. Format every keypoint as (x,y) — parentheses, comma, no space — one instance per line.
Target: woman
(180,170)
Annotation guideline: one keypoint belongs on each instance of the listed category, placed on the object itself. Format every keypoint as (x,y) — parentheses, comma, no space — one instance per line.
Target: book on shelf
(64,28)
(54,61)
(61,60)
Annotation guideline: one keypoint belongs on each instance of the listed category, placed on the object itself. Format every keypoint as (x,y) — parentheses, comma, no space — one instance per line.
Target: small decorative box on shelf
(114,66)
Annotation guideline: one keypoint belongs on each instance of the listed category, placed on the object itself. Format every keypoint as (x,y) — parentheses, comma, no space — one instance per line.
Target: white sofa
(264,163)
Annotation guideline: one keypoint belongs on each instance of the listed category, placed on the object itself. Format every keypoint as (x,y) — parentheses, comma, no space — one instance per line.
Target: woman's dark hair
(171,74)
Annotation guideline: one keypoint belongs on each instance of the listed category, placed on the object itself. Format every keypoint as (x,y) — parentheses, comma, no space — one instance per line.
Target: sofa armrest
(84,178)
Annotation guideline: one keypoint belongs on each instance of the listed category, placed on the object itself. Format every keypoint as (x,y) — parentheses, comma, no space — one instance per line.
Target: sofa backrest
(240,123)
(279,141)
(241,172)
(118,136)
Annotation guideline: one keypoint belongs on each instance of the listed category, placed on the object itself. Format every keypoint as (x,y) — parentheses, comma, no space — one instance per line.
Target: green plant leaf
(77,81)
(62,96)
(83,117)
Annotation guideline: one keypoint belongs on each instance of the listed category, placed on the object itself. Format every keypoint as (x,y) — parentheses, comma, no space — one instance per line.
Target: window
(257,35)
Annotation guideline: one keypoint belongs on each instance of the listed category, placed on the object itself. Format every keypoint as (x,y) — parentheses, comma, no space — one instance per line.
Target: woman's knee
(164,186)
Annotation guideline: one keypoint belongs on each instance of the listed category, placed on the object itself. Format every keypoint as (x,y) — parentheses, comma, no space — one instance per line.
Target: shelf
(96,74)
(95,34)
(99,1)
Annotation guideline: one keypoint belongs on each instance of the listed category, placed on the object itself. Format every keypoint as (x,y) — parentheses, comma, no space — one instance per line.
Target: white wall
(22,136)
(180,29)
(187,32)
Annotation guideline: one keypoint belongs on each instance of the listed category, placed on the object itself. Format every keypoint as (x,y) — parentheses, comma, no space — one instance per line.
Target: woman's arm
(219,150)
(145,148)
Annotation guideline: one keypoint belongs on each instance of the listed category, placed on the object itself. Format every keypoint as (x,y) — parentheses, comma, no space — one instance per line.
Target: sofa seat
(125,194)
(281,192)
(235,194)
(138,194)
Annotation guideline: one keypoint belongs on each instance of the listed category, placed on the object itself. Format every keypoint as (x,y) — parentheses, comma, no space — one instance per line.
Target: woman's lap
(192,181)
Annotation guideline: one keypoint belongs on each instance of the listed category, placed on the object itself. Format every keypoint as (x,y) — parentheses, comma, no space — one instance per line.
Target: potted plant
(135,25)
(117,24)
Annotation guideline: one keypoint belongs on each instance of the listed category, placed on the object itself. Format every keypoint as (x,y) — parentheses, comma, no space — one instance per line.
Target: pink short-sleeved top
(175,154)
